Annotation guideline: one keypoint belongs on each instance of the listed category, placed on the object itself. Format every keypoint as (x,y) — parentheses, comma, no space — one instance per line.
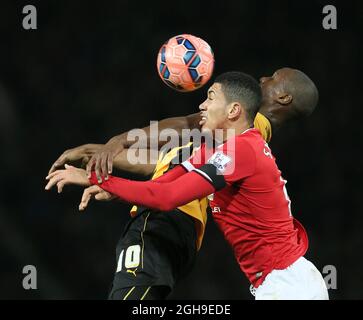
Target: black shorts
(156,249)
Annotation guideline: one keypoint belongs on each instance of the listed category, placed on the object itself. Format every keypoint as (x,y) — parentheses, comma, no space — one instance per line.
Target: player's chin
(205,127)
(207,133)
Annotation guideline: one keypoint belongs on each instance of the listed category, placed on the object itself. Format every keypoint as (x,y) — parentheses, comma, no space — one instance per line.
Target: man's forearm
(145,165)
(90,149)
(119,139)
(141,161)
(178,124)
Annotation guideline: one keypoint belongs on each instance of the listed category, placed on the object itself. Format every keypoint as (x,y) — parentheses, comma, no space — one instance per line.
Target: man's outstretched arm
(82,154)
(173,189)
(176,123)
(102,160)
(140,161)
(158,195)
(101,156)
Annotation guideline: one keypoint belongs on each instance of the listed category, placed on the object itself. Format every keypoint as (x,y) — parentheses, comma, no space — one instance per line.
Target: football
(185,62)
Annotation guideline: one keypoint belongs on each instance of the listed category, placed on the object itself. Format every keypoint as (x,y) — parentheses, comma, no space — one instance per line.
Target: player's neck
(235,129)
(276,114)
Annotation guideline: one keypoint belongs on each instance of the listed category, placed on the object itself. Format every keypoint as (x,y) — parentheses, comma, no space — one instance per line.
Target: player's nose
(202,107)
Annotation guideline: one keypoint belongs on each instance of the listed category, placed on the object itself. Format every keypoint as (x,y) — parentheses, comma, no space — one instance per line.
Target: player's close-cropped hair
(304,92)
(242,88)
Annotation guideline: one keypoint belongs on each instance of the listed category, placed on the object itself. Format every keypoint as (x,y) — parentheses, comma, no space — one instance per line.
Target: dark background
(88,72)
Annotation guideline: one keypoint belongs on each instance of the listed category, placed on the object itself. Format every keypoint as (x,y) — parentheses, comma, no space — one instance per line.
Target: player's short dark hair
(304,91)
(242,88)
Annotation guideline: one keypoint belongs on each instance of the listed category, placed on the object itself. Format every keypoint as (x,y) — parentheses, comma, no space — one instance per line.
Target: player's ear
(284,99)
(234,111)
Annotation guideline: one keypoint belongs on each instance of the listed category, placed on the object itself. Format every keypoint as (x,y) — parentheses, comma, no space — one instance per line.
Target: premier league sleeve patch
(219,160)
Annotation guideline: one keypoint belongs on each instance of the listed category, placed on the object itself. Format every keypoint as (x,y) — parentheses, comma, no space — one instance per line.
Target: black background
(88,72)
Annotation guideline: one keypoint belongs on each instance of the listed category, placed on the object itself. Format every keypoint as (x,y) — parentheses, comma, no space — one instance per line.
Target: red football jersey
(253,209)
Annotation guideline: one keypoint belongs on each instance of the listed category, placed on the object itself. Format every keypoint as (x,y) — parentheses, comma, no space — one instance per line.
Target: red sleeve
(242,160)
(198,159)
(163,196)
(234,161)
(172,174)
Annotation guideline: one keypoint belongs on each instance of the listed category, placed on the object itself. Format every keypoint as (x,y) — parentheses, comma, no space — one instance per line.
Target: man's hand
(102,160)
(81,153)
(71,175)
(95,192)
